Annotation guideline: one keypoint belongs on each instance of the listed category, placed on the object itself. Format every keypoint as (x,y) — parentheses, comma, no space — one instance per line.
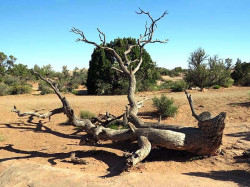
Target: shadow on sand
(240,177)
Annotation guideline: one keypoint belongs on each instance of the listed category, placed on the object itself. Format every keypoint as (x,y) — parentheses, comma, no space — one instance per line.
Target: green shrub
(75,92)
(228,83)
(85,114)
(117,126)
(179,86)
(11,80)
(44,88)
(241,73)
(205,72)
(103,80)
(216,86)
(165,106)
(4,89)
(165,85)
(20,89)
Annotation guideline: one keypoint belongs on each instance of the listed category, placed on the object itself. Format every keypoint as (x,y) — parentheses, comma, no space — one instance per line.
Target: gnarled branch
(45,115)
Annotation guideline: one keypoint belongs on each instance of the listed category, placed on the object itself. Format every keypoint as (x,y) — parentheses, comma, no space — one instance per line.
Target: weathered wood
(142,153)
(31,113)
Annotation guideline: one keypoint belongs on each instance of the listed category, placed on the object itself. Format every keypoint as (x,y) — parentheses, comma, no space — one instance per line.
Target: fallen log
(204,139)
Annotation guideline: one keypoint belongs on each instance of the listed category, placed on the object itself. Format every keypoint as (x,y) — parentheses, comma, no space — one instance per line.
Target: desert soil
(36,152)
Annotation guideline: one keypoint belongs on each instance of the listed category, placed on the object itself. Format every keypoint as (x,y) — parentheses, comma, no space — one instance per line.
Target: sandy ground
(35,152)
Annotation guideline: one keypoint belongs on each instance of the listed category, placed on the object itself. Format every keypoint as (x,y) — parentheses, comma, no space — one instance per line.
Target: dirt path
(36,152)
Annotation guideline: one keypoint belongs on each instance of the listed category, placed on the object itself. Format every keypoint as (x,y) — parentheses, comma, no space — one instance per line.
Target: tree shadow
(245,135)
(240,177)
(39,127)
(115,163)
(33,154)
(126,146)
(157,154)
(241,159)
(243,104)
(163,154)
(148,115)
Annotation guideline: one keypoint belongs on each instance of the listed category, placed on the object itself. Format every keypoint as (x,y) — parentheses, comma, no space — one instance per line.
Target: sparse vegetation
(44,88)
(172,73)
(117,126)
(179,86)
(20,89)
(216,86)
(241,73)
(214,72)
(85,114)
(165,106)
(4,89)
(75,92)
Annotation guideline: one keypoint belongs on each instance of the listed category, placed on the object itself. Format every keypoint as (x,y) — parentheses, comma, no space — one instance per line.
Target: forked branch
(147,37)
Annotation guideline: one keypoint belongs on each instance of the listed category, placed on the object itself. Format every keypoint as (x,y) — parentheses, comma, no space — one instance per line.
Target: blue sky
(37,31)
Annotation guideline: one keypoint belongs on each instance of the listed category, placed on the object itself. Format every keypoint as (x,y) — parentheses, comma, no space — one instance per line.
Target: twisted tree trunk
(203,140)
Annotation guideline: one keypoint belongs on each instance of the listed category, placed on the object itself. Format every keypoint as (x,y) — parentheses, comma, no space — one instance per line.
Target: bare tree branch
(108,49)
(31,113)
(130,47)
(149,30)
(140,61)
(116,69)
(104,37)
(191,105)
(142,153)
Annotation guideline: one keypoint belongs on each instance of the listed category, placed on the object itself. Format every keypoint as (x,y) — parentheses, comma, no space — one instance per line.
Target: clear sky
(37,31)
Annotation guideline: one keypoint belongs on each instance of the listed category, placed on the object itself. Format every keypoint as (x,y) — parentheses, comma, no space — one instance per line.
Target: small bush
(228,83)
(241,73)
(85,114)
(117,125)
(44,88)
(216,87)
(165,85)
(11,81)
(152,87)
(113,126)
(179,86)
(4,89)
(165,106)
(20,89)
(75,92)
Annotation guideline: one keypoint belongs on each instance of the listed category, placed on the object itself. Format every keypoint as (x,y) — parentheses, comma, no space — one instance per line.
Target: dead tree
(203,140)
